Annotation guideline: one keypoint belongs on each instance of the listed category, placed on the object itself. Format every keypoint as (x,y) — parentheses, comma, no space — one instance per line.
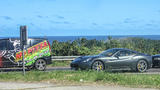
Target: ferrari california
(116,58)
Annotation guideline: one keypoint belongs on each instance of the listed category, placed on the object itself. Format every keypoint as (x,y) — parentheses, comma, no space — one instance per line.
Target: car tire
(142,66)
(40,65)
(97,66)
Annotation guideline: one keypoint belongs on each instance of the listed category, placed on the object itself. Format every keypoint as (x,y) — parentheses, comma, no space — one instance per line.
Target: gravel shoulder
(46,86)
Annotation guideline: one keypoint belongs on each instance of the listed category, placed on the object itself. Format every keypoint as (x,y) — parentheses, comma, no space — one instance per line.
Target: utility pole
(23,42)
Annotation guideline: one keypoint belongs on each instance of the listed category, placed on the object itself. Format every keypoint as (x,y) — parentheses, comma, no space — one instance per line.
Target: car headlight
(87,60)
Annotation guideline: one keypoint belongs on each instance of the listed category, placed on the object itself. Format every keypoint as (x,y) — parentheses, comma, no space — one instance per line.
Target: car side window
(3,45)
(123,53)
(132,53)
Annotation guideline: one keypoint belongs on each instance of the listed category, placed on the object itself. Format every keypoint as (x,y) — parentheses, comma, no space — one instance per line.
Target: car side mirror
(117,56)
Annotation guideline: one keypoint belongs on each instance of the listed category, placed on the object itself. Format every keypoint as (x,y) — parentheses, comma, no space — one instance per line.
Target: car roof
(121,48)
(124,49)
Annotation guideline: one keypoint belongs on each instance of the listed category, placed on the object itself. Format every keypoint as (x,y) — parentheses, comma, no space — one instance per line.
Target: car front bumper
(80,65)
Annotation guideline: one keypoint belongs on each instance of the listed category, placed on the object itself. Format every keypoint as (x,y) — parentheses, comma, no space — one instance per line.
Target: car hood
(86,57)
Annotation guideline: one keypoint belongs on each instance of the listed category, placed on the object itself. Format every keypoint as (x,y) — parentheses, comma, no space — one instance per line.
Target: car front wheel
(98,66)
(40,65)
(142,66)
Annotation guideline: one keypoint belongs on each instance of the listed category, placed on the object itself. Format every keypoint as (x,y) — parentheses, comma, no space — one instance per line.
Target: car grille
(74,65)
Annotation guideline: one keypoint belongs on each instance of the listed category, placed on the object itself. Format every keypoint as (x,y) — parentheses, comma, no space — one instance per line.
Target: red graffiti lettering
(41,45)
(30,51)
(37,47)
(45,44)
(33,49)
(19,55)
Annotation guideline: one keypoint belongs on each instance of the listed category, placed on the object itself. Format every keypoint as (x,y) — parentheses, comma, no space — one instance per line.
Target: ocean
(72,38)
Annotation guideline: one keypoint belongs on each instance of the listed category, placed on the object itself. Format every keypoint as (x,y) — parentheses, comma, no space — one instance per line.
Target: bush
(90,47)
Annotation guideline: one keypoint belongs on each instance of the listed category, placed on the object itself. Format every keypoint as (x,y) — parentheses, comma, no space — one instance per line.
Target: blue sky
(80,17)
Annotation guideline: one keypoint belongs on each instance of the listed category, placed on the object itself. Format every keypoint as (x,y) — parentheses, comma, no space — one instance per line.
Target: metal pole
(23,59)
(23,41)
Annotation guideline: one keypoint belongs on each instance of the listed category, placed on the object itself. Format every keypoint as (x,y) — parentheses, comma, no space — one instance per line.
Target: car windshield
(108,52)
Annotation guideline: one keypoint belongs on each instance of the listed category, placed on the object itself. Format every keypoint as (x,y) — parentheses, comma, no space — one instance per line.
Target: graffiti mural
(2,53)
(31,54)
(13,56)
(16,45)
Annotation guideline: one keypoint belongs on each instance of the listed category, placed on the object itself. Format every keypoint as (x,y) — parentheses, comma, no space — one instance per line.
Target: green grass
(60,63)
(85,77)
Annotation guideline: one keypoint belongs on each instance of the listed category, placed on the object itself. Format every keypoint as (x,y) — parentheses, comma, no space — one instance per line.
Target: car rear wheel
(40,65)
(142,66)
(98,66)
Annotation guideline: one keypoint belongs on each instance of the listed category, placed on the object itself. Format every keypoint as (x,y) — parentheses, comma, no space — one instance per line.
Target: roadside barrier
(63,58)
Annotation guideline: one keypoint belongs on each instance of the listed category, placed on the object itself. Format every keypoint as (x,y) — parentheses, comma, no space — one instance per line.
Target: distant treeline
(90,47)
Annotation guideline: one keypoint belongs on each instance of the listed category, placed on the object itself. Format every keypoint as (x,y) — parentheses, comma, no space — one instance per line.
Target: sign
(23,35)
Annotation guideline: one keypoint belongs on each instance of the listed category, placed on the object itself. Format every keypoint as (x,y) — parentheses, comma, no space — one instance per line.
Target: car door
(123,58)
(111,62)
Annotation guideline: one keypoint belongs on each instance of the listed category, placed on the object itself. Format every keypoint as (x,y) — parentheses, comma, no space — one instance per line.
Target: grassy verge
(60,63)
(85,77)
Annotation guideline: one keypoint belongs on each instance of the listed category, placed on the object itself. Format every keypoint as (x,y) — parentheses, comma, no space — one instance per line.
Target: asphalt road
(150,71)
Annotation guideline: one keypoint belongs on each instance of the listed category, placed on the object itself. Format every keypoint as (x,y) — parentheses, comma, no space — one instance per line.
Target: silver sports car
(116,58)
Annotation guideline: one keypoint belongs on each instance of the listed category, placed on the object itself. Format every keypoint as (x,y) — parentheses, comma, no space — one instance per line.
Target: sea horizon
(97,37)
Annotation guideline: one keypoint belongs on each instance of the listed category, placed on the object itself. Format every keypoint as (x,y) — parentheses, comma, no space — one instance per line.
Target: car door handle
(111,60)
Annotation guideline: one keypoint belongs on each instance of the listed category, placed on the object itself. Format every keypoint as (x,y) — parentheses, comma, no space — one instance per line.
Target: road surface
(150,71)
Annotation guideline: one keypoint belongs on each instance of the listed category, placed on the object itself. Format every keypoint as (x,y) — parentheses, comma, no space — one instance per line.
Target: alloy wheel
(98,66)
(40,64)
(142,66)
